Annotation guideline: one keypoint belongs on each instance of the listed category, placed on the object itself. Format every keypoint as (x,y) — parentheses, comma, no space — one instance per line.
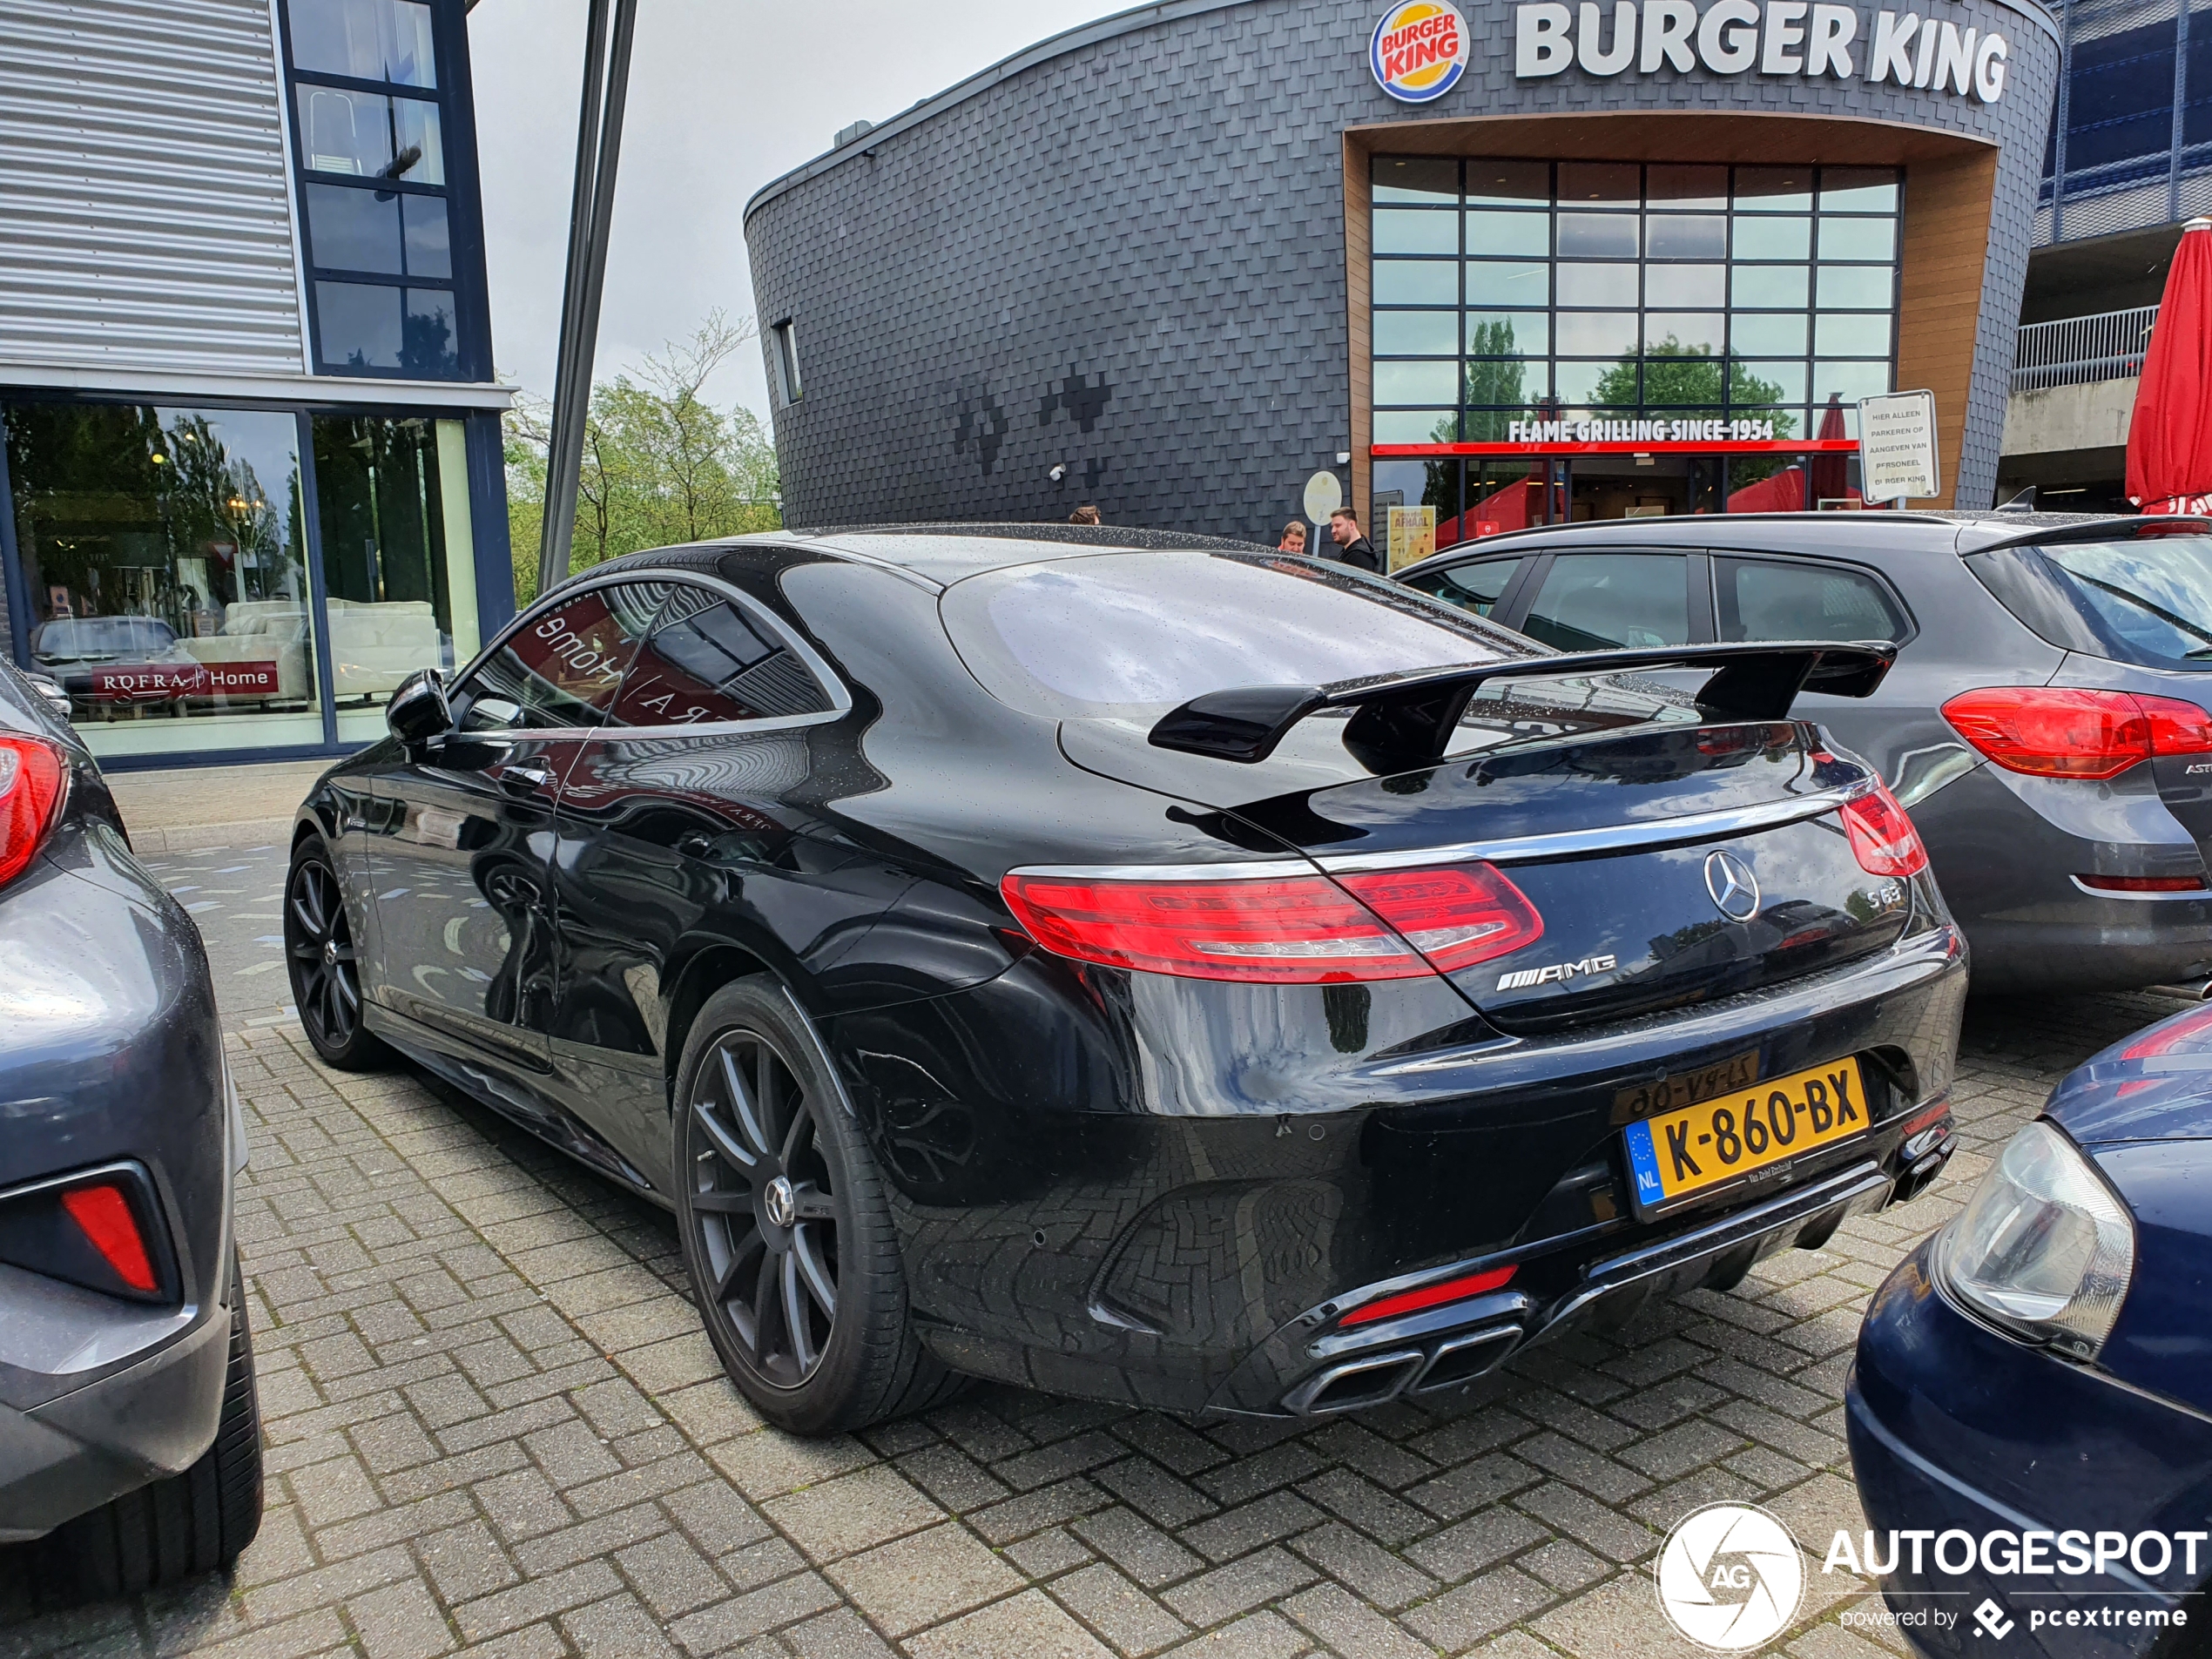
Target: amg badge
(1558,973)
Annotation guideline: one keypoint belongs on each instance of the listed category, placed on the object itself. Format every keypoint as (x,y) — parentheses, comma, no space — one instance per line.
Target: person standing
(1085,515)
(1293,537)
(1352,547)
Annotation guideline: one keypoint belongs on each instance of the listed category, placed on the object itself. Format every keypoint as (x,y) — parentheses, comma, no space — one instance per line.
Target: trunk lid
(1612,835)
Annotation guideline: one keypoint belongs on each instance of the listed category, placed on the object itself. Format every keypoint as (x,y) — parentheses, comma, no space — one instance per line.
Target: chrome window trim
(840,700)
(1524,849)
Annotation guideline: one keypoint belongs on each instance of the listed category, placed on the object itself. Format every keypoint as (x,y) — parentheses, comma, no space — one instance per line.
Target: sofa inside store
(170,576)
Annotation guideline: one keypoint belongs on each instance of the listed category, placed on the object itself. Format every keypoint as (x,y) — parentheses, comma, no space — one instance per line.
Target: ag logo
(1420,50)
(1731,1577)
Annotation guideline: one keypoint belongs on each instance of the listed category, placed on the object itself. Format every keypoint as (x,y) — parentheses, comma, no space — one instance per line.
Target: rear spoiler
(1402,720)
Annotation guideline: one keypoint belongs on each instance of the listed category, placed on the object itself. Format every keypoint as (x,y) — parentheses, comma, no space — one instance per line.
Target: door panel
(679,832)
(464,942)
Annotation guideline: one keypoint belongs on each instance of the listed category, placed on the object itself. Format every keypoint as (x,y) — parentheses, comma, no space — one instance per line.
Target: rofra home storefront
(1510,262)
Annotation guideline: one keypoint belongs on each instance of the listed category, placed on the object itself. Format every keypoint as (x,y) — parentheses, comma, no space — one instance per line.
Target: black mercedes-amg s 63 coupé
(1137,966)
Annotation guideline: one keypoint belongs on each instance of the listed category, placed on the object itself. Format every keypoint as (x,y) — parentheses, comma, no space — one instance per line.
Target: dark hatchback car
(1137,967)
(2041,1370)
(130,1439)
(2045,723)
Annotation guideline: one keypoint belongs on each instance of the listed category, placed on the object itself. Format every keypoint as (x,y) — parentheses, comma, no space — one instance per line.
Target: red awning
(2169,439)
(1784,492)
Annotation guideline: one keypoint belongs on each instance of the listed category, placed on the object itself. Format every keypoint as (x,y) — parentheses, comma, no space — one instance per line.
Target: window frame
(1519,597)
(1857,567)
(760,615)
(463,231)
(791,385)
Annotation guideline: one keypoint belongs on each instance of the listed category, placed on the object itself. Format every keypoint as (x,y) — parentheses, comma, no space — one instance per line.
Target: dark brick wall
(1128,256)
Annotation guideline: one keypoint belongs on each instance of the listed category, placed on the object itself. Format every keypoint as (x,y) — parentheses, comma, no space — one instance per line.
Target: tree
(1689,377)
(661,465)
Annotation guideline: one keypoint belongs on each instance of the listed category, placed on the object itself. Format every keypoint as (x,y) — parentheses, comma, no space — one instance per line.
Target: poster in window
(1413,535)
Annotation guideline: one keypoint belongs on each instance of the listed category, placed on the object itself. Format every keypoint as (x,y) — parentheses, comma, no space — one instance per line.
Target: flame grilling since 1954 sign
(1420,49)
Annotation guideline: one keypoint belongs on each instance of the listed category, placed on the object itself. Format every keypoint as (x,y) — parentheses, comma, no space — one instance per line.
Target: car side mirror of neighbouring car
(418,710)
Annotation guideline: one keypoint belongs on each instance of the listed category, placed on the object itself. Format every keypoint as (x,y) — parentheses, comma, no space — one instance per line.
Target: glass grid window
(1511,290)
(368,126)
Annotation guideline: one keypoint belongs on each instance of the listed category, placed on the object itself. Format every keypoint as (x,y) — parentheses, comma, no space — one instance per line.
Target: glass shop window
(397,556)
(164,549)
(370,40)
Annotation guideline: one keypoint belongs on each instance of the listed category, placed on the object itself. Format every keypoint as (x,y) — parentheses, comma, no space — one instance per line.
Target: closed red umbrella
(2169,439)
(1828,476)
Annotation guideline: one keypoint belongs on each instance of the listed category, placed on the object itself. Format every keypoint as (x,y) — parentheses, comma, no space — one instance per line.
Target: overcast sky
(724,95)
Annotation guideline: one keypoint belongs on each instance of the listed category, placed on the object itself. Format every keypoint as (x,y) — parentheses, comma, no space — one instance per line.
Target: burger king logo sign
(1420,50)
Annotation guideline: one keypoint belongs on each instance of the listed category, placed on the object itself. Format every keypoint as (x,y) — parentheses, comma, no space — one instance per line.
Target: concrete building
(251,458)
(1501,262)
(2130,161)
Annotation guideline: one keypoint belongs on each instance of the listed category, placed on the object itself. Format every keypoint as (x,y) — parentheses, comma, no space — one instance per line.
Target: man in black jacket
(1352,547)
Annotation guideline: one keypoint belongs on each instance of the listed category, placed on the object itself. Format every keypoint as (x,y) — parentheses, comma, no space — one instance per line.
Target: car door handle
(526,777)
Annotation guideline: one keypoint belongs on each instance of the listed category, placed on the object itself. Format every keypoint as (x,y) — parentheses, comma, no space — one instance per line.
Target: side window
(562,667)
(708,661)
(1777,599)
(1476,586)
(1612,600)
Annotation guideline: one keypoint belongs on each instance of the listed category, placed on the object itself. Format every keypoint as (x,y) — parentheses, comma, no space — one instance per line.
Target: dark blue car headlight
(2043,1249)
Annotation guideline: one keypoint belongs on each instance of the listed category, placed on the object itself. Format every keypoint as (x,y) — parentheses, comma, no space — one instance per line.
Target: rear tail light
(105,1216)
(1308,929)
(1882,836)
(2049,732)
(2143,883)
(1429,1296)
(31,779)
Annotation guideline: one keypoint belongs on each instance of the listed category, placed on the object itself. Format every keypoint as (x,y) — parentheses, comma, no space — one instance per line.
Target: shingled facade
(1130,265)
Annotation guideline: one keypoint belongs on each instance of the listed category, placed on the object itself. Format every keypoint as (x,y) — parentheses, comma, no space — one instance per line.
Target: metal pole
(591,212)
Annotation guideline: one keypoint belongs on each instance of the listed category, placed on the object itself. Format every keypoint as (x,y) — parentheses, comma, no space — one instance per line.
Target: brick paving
(493,1427)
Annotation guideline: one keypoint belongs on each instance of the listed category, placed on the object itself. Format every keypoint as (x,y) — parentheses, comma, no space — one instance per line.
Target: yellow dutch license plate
(1675,1154)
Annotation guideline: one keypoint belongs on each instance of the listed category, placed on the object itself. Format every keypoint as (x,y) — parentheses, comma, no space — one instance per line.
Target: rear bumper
(142,1419)
(1953,1426)
(2006,852)
(112,1052)
(1196,1260)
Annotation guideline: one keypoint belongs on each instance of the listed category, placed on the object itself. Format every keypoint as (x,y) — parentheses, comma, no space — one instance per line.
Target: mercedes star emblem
(1735,889)
(780,1202)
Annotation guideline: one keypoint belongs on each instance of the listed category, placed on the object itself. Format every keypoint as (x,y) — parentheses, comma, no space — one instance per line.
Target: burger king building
(1504,261)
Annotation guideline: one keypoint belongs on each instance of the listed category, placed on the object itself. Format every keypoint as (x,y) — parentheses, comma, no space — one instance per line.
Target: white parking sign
(1897,447)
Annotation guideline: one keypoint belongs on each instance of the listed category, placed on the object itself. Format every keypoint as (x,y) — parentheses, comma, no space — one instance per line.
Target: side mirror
(418,710)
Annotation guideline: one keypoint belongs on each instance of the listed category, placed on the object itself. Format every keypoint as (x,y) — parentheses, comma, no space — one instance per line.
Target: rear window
(2144,599)
(1126,632)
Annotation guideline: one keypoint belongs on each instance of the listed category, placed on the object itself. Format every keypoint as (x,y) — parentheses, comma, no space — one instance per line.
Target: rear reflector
(1429,1296)
(30,792)
(2143,883)
(1882,836)
(2049,732)
(1306,929)
(104,1215)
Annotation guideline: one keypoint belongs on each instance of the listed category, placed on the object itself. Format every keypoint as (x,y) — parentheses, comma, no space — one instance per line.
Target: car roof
(1867,534)
(938,553)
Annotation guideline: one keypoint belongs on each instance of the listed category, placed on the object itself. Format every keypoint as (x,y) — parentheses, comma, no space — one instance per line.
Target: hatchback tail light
(1308,929)
(1882,836)
(2051,731)
(31,786)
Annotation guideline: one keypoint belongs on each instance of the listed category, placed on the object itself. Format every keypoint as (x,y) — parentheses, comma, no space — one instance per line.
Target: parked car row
(1157,970)
(2045,724)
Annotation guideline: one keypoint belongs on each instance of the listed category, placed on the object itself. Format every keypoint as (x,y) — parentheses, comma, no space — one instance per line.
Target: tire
(188,1525)
(801,1290)
(323,964)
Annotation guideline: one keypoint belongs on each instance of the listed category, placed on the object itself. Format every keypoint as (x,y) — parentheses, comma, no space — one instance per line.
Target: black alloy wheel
(787,1226)
(765,1207)
(325,967)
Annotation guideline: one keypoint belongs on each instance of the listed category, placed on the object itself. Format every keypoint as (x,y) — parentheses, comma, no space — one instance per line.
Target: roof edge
(1120,22)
